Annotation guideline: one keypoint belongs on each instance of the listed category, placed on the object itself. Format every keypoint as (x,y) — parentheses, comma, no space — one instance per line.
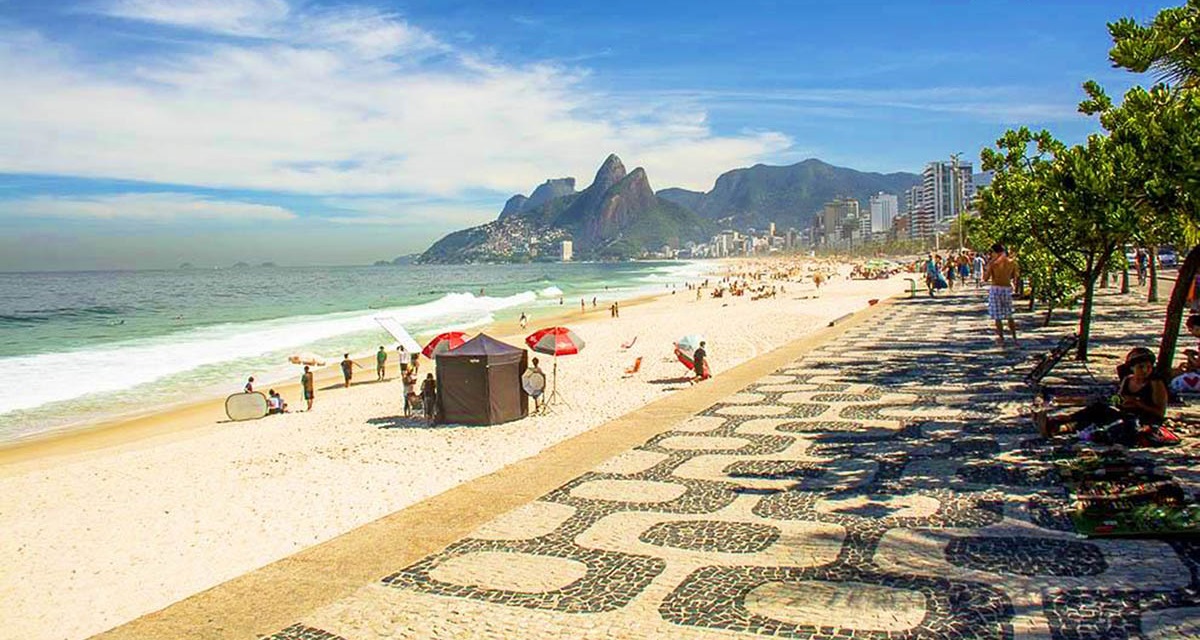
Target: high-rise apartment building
(830,226)
(946,190)
(568,250)
(884,207)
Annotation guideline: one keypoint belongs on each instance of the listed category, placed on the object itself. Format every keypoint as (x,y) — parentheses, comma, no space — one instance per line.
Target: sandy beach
(104,526)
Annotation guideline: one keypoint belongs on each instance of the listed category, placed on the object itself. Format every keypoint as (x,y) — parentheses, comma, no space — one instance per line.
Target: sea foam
(55,377)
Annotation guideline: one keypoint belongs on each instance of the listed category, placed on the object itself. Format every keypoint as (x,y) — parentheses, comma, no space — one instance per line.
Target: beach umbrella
(685,347)
(555,341)
(443,342)
(308,358)
(689,343)
(686,358)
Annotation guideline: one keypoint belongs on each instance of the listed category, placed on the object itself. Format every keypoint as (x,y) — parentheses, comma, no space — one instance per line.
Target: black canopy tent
(480,382)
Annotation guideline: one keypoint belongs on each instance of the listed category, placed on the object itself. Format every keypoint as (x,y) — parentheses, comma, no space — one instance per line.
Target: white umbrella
(393,326)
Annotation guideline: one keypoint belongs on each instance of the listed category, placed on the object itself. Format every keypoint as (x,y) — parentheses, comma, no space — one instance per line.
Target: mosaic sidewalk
(883,486)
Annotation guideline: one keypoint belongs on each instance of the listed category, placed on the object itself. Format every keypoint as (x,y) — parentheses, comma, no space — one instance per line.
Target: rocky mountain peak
(610,173)
(514,206)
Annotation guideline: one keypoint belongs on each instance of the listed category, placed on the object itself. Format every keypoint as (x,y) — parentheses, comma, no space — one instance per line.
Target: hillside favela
(367,319)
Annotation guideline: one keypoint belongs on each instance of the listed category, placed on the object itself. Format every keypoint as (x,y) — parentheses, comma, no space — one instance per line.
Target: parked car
(1167,257)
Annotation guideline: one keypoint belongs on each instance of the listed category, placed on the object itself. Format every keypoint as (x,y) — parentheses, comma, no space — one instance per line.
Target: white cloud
(152,207)
(232,17)
(413,212)
(345,102)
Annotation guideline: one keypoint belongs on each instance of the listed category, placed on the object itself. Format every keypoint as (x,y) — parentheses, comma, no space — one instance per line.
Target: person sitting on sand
(429,396)
(1141,401)
(275,403)
(249,388)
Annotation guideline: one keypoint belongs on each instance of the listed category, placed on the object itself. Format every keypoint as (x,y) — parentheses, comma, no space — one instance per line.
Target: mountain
(547,191)
(617,216)
(788,196)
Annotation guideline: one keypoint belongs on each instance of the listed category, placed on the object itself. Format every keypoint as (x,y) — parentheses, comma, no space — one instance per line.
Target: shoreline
(91,435)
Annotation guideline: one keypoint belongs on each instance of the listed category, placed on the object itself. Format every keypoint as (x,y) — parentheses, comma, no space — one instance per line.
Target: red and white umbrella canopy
(555,341)
(443,342)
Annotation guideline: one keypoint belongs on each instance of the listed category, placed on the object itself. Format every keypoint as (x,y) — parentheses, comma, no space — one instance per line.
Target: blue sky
(146,133)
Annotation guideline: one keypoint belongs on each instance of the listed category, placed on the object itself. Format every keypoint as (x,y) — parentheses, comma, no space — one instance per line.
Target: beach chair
(633,368)
(629,345)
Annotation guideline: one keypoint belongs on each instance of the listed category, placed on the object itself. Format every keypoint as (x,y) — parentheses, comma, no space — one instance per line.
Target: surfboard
(246,406)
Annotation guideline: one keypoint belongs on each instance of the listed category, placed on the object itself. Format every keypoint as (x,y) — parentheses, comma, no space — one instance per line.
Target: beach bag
(1160,436)
(1186,383)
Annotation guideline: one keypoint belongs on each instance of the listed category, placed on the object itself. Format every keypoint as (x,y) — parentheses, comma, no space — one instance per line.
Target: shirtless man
(1002,271)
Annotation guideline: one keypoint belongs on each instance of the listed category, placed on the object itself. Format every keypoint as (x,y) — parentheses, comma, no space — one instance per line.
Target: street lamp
(955,197)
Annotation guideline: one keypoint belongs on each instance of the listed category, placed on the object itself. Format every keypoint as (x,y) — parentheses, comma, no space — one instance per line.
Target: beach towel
(1186,383)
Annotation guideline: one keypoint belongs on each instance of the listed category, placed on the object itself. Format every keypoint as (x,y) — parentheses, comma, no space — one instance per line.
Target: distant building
(884,208)
(568,250)
(771,230)
(837,222)
(947,189)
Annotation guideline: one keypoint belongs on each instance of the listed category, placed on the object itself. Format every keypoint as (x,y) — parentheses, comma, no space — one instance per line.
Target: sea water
(80,346)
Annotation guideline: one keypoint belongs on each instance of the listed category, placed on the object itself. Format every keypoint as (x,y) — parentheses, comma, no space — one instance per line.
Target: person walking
(380,363)
(348,368)
(977,266)
(931,274)
(306,383)
(1002,271)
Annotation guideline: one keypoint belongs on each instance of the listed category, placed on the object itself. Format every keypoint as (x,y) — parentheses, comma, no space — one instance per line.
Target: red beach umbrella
(443,342)
(685,358)
(555,341)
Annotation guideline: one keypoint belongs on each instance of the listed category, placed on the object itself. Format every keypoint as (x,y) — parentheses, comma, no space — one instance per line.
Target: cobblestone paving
(881,487)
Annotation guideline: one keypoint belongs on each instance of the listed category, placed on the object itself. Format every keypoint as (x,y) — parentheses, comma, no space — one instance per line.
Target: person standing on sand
(524,320)
(429,396)
(582,306)
(1002,271)
(348,368)
(306,383)
(380,364)
(616,309)
(700,360)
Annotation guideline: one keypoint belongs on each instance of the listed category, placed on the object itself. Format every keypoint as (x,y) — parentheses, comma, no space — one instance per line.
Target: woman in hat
(1141,400)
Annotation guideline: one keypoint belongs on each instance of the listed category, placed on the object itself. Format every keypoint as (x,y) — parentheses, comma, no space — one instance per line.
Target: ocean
(76,347)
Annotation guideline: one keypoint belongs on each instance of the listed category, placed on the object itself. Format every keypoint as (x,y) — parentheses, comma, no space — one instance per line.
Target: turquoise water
(84,345)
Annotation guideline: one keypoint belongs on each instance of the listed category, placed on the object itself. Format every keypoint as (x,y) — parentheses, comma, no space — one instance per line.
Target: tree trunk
(1152,261)
(1104,279)
(1125,279)
(1085,314)
(1049,312)
(1032,296)
(1175,307)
